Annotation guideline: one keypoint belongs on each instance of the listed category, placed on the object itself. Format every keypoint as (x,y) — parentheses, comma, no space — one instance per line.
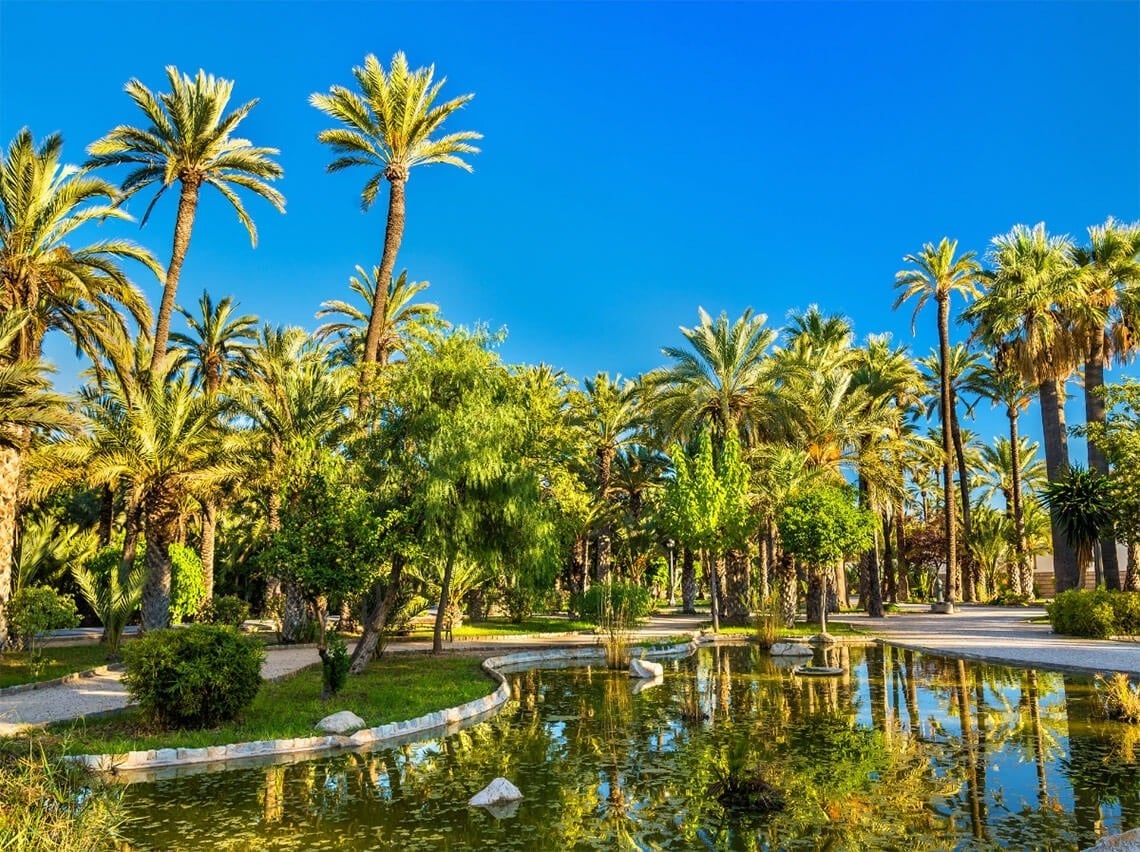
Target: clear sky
(639,160)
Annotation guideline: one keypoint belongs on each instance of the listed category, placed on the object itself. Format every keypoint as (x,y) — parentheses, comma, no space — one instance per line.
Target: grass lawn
(503,627)
(834,628)
(58,661)
(393,689)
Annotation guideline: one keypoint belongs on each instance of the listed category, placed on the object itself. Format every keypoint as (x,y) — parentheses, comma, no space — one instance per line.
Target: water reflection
(901,751)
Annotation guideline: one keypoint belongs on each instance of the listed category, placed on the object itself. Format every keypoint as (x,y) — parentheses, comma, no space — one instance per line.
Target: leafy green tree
(32,612)
(189,141)
(1119,439)
(822,525)
(936,273)
(390,126)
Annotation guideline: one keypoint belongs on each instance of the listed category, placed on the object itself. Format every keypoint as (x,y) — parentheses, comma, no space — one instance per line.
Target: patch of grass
(503,627)
(665,641)
(59,660)
(834,628)
(393,689)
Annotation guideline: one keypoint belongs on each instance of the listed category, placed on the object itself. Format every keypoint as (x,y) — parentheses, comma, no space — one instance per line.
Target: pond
(903,751)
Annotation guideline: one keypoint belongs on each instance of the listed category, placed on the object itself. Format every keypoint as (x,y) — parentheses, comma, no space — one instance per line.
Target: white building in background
(1043,572)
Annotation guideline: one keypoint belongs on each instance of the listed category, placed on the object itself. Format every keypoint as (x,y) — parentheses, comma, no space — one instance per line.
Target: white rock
(790,649)
(1129,841)
(645,668)
(340,723)
(499,791)
(645,683)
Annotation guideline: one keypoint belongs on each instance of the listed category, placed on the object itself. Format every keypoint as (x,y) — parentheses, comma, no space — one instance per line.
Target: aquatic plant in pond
(902,750)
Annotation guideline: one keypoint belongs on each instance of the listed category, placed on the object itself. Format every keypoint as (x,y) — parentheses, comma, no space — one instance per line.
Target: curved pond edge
(161,763)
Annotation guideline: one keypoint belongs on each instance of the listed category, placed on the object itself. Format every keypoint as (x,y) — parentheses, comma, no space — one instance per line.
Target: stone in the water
(790,649)
(498,792)
(1129,841)
(645,668)
(341,723)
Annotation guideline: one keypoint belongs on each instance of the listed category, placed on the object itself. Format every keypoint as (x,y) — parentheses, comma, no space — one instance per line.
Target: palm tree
(1011,469)
(1082,504)
(1110,266)
(938,274)
(27,405)
(1025,317)
(164,439)
(1003,386)
(189,141)
(389,127)
(218,341)
(403,323)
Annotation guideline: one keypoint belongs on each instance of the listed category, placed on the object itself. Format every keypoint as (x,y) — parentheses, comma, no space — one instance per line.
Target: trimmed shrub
(1096,614)
(32,612)
(193,677)
(226,609)
(334,665)
(626,602)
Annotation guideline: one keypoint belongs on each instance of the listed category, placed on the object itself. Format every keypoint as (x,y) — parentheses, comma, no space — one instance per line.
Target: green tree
(389,126)
(189,141)
(1119,439)
(822,525)
(1081,504)
(937,274)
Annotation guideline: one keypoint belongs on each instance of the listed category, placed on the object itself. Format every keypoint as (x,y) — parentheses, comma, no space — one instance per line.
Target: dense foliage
(35,610)
(1095,613)
(627,603)
(193,677)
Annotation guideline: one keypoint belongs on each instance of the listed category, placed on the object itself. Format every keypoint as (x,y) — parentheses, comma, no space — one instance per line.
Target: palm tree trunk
(106,515)
(889,560)
(1023,564)
(183,225)
(161,507)
(444,600)
(735,605)
(393,235)
(206,547)
(11,465)
(970,568)
(949,527)
(1065,571)
(712,571)
(1095,413)
(789,590)
(377,618)
(1132,578)
(688,583)
(900,547)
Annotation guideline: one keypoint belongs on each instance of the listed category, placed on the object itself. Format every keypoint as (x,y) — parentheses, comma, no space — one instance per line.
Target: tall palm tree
(189,141)
(403,323)
(389,127)
(1026,318)
(1004,386)
(218,341)
(937,273)
(27,405)
(1110,267)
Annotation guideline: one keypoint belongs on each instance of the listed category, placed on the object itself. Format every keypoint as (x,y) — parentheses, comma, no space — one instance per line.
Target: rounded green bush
(225,609)
(1096,614)
(627,602)
(193,677)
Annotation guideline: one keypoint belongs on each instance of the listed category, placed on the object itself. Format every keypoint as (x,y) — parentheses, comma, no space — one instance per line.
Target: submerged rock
(499,792)
(645,683)
(341,723)
(1129,841)
(645,669)
(790,649)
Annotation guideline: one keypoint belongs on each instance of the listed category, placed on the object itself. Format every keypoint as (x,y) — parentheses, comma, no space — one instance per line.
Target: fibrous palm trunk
(1024,567)
(161,508)
(735,605)
(393,235)
(1095,413)
(1066,574)
(970,568)
(183,226)
(106,514)
(889,560)
(789,590)
(949,526)
(11,464)
(1132,578)
(206,546)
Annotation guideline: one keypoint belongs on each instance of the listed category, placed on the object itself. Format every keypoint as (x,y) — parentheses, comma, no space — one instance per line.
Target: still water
(903,751)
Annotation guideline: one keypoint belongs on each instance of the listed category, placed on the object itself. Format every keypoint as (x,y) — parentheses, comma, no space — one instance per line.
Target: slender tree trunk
(789,590)
(765,567)
(874,605)
(11,467)
(161,506)
(183,225)
(1095,413)
(688,583)
(1023,564)
(889,560)
(393,235)
(1066,574)
(377,618)
(106,515)
(1132,578)
(900,547)
(605,458)
(949,527)
(444,600)
(206,547)
(970,566)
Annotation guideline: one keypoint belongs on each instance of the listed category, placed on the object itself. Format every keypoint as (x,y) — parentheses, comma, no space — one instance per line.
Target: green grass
(59,660)
(834,628)
(503,627)
(393,689)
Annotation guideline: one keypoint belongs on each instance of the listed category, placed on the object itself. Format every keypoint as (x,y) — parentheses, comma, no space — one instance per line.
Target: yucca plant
(1081,504)
(113,590)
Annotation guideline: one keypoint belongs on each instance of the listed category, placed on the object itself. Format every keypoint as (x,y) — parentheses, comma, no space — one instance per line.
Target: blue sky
(639,160)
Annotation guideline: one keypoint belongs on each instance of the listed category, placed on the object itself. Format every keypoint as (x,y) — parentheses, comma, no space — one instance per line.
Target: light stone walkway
(991,633)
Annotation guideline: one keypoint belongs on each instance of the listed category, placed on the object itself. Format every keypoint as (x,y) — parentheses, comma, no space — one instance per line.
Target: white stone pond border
(441,721)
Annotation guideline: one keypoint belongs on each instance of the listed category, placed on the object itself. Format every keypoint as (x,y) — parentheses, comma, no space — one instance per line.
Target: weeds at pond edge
(1119,697)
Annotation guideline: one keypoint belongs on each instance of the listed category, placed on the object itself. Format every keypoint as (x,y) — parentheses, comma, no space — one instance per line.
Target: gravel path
(976,632)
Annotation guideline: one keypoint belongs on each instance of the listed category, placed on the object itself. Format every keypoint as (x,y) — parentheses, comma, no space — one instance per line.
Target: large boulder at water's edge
(498,792)
(1129,841)
(645,668)
(343,722)
(790,649)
